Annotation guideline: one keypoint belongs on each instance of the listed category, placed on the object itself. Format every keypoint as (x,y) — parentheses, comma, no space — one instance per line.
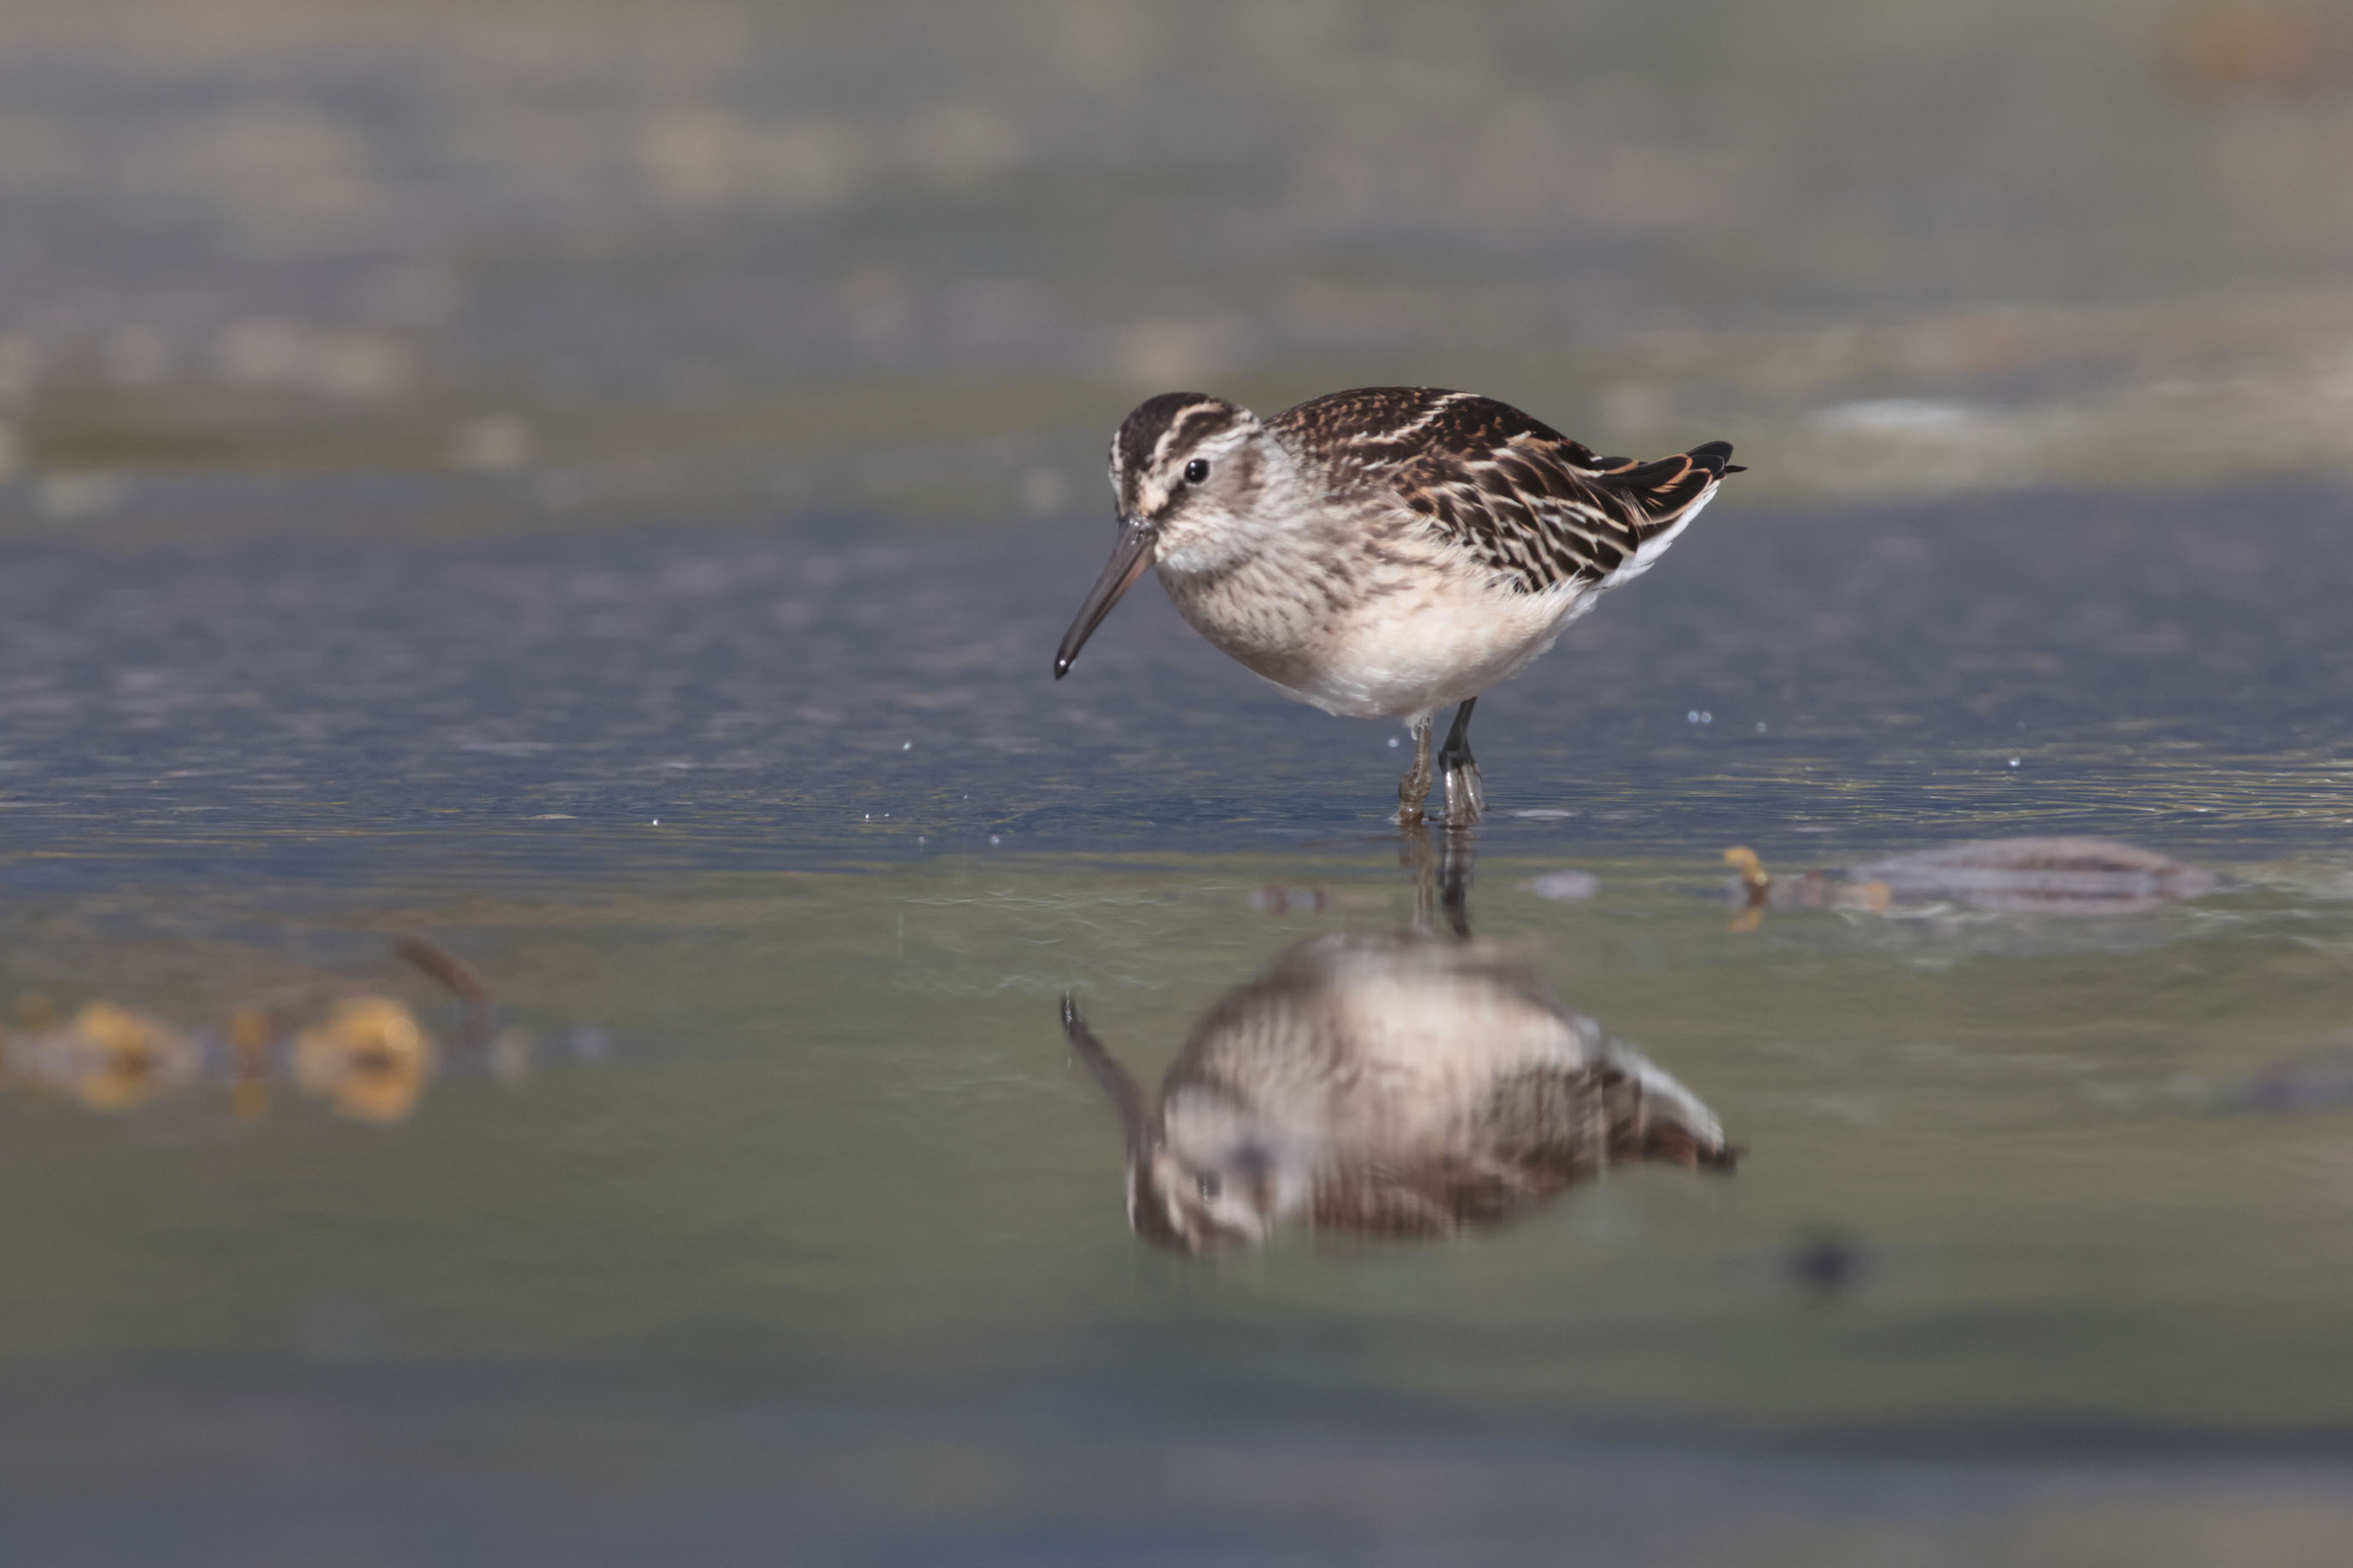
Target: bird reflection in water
(1397,1083)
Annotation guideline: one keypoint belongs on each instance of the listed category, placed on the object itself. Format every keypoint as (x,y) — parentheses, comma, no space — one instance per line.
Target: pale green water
(799,1170)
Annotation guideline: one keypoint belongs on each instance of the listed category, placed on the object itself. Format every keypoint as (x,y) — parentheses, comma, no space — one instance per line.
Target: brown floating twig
(460,977)
(454,972)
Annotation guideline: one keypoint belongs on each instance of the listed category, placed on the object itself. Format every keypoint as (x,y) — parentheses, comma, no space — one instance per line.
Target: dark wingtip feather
(1716,457)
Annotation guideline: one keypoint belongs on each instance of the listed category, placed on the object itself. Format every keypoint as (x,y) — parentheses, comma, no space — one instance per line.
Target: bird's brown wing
(1540,509)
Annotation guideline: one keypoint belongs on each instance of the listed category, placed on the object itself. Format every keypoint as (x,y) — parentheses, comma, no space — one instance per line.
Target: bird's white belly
(1407,654)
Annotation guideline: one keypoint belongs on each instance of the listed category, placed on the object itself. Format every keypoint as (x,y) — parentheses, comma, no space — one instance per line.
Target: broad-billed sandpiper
(1385,551)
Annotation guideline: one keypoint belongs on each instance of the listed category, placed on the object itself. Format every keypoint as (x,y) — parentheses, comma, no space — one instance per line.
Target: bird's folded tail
(1665,490)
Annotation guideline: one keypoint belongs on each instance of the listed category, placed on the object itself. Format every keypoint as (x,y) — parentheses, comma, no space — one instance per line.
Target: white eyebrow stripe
(1184,416)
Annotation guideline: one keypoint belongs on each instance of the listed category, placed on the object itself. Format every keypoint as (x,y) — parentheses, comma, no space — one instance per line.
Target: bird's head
(1188,471)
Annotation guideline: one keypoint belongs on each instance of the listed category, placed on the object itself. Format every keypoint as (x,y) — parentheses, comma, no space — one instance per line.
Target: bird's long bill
(1128,559)
(1119,1085)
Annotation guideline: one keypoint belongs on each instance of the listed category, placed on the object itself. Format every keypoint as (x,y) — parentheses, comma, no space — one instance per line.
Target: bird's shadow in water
(1412,1082)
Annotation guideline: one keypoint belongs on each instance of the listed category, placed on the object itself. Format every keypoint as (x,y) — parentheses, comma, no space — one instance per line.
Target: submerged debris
(2005,876)
(1276,899)
(1756,890)
(2039,875)
(2320,1080)
(370,1057)
(1565,886)
(1827,1263)
(108,1057)
(458,977)
(251,1030)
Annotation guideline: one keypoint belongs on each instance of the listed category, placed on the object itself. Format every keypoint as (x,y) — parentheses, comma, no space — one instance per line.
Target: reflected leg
(1441,879)
(1458,853)
(1413,790)
(1466,797)
(1414,855)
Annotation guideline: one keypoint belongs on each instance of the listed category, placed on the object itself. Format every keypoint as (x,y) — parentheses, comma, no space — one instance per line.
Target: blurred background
(311,264)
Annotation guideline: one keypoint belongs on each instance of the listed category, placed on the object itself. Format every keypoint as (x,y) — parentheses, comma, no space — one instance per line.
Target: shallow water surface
(765,1211)
(782,1202)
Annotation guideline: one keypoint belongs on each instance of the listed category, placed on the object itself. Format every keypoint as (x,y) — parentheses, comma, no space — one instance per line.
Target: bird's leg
(1466,797)
(1413,790)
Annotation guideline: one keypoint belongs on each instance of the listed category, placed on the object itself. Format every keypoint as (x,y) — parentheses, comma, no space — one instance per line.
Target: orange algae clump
(113,1058)
(371,1058)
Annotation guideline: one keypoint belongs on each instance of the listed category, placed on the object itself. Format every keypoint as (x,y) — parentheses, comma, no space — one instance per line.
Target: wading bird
(1385,552)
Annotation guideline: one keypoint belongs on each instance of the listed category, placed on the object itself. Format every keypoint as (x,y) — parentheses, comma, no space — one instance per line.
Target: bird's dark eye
(1196,470)
(1210,1185)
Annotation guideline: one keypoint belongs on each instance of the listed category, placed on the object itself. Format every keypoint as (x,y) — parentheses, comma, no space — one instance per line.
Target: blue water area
(834,691)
